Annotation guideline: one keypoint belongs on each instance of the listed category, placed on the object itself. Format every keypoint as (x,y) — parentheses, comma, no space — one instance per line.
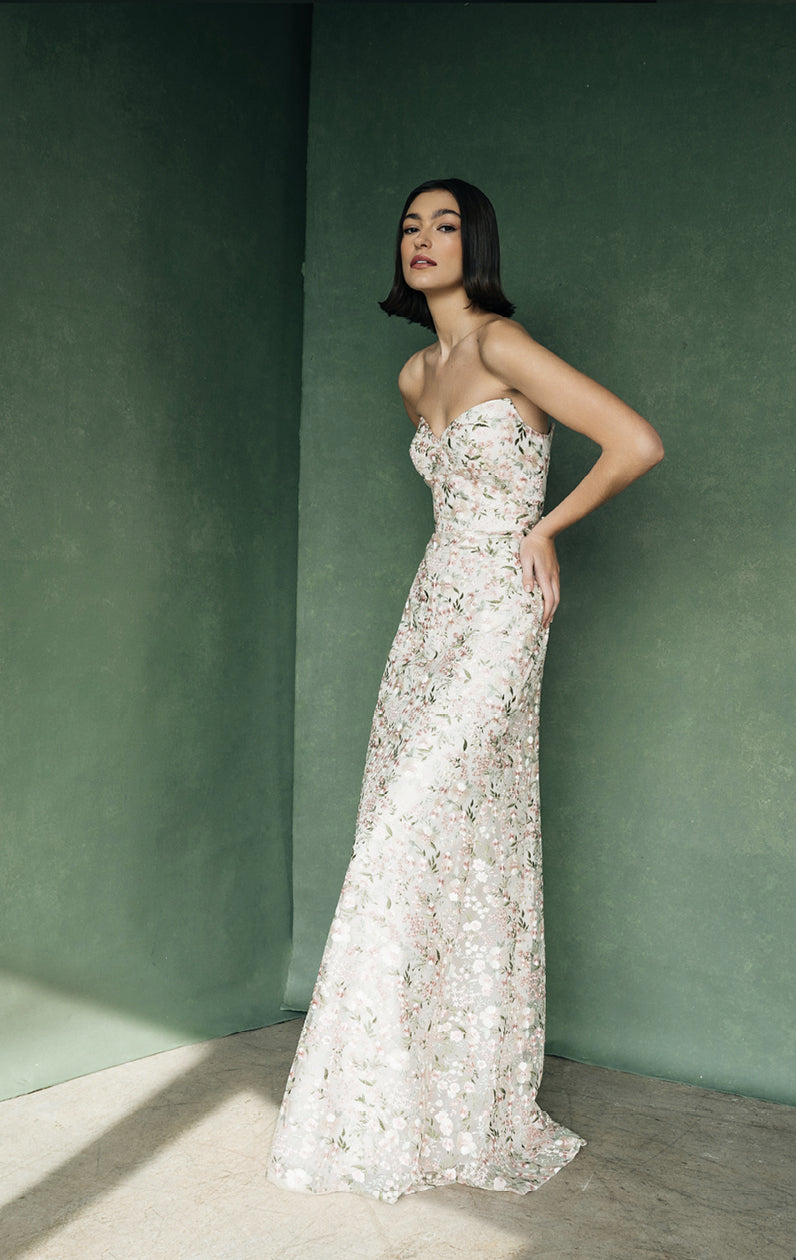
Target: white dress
(422,1050)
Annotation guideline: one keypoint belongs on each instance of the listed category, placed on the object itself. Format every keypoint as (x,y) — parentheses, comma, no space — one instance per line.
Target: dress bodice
(487,472)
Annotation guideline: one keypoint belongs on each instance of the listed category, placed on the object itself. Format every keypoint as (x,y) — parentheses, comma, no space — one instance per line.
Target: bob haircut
(480,256)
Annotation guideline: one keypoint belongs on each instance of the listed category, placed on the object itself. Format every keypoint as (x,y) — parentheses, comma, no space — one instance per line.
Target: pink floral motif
(423,1047)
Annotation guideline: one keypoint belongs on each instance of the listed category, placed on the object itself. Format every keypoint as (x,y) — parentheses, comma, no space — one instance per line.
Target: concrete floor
(164,1159)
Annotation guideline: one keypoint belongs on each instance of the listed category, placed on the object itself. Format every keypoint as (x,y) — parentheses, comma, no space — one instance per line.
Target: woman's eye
(447,227)
(408,230)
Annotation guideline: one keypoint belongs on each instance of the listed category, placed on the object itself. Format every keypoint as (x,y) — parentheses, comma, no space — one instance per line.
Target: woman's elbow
(649,449)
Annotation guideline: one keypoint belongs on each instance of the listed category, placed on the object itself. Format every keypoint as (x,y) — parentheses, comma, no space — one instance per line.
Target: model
(423,1047)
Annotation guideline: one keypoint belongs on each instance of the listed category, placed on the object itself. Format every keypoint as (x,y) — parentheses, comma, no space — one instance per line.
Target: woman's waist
(463,527)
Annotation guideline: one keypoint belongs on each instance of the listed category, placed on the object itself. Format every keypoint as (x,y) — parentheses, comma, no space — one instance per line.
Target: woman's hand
(539,564)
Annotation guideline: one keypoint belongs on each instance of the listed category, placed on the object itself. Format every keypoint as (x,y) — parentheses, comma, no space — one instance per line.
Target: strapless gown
(422,1050)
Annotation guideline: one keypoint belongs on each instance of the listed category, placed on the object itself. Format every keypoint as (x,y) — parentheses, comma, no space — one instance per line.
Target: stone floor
(164,1159)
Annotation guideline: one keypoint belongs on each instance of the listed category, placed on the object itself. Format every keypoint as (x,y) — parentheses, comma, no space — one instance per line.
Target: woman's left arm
(629,445)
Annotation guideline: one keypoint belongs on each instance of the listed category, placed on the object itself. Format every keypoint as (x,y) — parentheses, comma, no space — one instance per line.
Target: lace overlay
(422,1050)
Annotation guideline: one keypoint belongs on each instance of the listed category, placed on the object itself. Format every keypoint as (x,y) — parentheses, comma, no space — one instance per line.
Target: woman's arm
(630,446)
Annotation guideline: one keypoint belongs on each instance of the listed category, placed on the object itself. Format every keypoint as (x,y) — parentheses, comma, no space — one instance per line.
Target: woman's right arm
(410,383)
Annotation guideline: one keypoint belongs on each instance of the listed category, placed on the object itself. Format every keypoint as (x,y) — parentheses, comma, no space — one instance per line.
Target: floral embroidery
(422,1050)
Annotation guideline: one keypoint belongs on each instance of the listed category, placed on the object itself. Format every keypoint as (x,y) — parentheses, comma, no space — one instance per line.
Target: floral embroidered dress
(422,1050)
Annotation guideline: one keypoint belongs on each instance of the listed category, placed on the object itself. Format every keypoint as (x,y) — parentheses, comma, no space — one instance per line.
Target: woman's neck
(453,318)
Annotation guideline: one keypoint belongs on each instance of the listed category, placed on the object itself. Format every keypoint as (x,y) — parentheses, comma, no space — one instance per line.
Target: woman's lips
(420,261)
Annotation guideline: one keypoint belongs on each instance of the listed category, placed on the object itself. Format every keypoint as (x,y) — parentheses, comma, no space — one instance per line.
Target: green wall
(153,209)
(152,213)
(638,157)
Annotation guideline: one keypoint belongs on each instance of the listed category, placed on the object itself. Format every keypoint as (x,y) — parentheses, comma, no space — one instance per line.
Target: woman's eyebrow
(437,214)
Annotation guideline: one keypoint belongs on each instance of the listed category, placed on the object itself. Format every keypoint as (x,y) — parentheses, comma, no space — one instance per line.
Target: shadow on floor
(230,1066)
(671,1172)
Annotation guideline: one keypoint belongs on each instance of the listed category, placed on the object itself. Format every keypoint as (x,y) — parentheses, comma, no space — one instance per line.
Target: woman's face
(431,242)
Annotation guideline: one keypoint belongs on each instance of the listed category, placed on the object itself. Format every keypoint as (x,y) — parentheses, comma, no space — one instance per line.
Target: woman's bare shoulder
(501,332)
(411,379)
(505,348)
(412,374)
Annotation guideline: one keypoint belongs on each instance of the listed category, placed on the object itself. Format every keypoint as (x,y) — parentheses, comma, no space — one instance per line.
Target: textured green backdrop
(152,205)
(638,157)
(152,214)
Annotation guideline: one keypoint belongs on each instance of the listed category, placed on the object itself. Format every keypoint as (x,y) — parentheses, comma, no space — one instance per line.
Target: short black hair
(480,256)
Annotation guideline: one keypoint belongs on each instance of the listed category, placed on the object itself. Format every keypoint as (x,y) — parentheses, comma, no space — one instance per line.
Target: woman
(422,1050)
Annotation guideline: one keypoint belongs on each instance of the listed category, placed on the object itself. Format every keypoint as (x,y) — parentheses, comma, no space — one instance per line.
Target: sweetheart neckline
(438,437)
